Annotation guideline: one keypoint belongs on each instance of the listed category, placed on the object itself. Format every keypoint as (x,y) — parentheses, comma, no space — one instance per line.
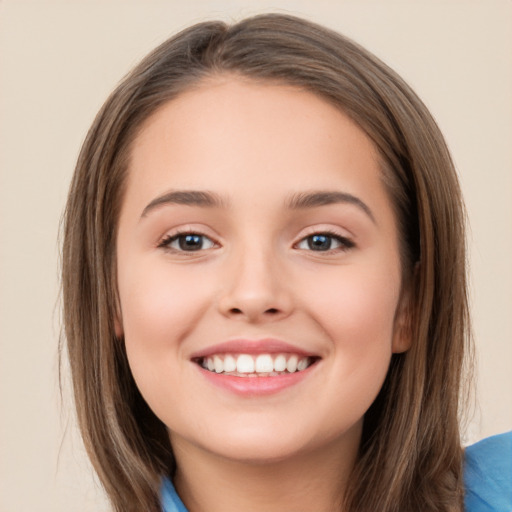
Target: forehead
(237,124)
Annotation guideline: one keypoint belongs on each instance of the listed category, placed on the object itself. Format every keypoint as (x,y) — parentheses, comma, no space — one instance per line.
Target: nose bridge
(254,286)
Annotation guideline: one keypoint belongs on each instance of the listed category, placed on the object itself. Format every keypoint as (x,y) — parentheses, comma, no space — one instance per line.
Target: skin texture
(255,145)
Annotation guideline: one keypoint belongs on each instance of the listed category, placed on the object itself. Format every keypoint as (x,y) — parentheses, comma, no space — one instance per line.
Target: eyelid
(331,229)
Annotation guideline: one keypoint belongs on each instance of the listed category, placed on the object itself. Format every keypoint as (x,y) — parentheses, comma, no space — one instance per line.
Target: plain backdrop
(58,62)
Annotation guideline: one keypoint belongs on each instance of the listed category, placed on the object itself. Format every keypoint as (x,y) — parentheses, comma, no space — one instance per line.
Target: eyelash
(169,239)
(345,243)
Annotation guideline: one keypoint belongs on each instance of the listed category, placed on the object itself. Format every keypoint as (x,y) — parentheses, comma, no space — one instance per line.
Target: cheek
(159,306)
(357,312)
(357,307)
(159,309)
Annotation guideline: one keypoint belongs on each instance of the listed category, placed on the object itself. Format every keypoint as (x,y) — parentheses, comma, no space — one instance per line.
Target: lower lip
(256,386)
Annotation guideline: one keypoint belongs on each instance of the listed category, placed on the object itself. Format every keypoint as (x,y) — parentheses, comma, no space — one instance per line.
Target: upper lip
(252,346)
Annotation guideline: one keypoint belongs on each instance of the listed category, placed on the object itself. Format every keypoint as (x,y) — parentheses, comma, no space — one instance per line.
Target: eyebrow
(298,201)
(199,198)
(304,200)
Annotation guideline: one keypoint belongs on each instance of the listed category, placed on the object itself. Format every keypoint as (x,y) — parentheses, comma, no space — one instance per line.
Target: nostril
(238,311)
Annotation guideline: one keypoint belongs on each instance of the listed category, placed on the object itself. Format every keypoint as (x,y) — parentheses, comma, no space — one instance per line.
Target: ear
(118,327)
(404,317)
(402,334)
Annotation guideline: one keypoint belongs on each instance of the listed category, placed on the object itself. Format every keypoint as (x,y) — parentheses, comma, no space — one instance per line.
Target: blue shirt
(487,477)
(170,500)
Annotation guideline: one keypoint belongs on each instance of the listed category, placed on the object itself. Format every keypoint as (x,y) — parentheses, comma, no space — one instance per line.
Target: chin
(267,444)
(257,454)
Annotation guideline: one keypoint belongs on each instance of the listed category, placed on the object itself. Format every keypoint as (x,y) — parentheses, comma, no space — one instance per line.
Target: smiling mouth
(261,365)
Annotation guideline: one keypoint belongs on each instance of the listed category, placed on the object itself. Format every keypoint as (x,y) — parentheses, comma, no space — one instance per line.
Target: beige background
(59,60)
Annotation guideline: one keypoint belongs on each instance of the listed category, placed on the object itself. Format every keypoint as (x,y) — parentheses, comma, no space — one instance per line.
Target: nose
(255,288)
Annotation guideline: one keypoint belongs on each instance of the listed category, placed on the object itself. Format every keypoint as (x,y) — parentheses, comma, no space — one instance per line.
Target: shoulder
(171,502)
(488,475)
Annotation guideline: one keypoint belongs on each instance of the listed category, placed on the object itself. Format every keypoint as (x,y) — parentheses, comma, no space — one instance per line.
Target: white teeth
(302,364)
(264,364)
(245,364)
(229,364)
(280,363)
(218,364)
(291,365)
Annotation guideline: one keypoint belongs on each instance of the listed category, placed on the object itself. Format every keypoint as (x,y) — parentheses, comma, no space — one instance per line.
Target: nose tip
(255,308)
(255,291)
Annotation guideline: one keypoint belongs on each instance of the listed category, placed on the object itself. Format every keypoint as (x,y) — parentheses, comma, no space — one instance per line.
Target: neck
(313,480)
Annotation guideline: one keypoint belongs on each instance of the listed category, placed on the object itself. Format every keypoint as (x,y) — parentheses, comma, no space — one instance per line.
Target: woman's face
(259,271)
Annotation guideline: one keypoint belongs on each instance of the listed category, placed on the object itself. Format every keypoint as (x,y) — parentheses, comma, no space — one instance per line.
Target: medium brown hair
(410,455)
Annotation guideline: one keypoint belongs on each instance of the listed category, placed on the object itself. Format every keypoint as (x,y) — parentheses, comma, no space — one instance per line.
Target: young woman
(264,281)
